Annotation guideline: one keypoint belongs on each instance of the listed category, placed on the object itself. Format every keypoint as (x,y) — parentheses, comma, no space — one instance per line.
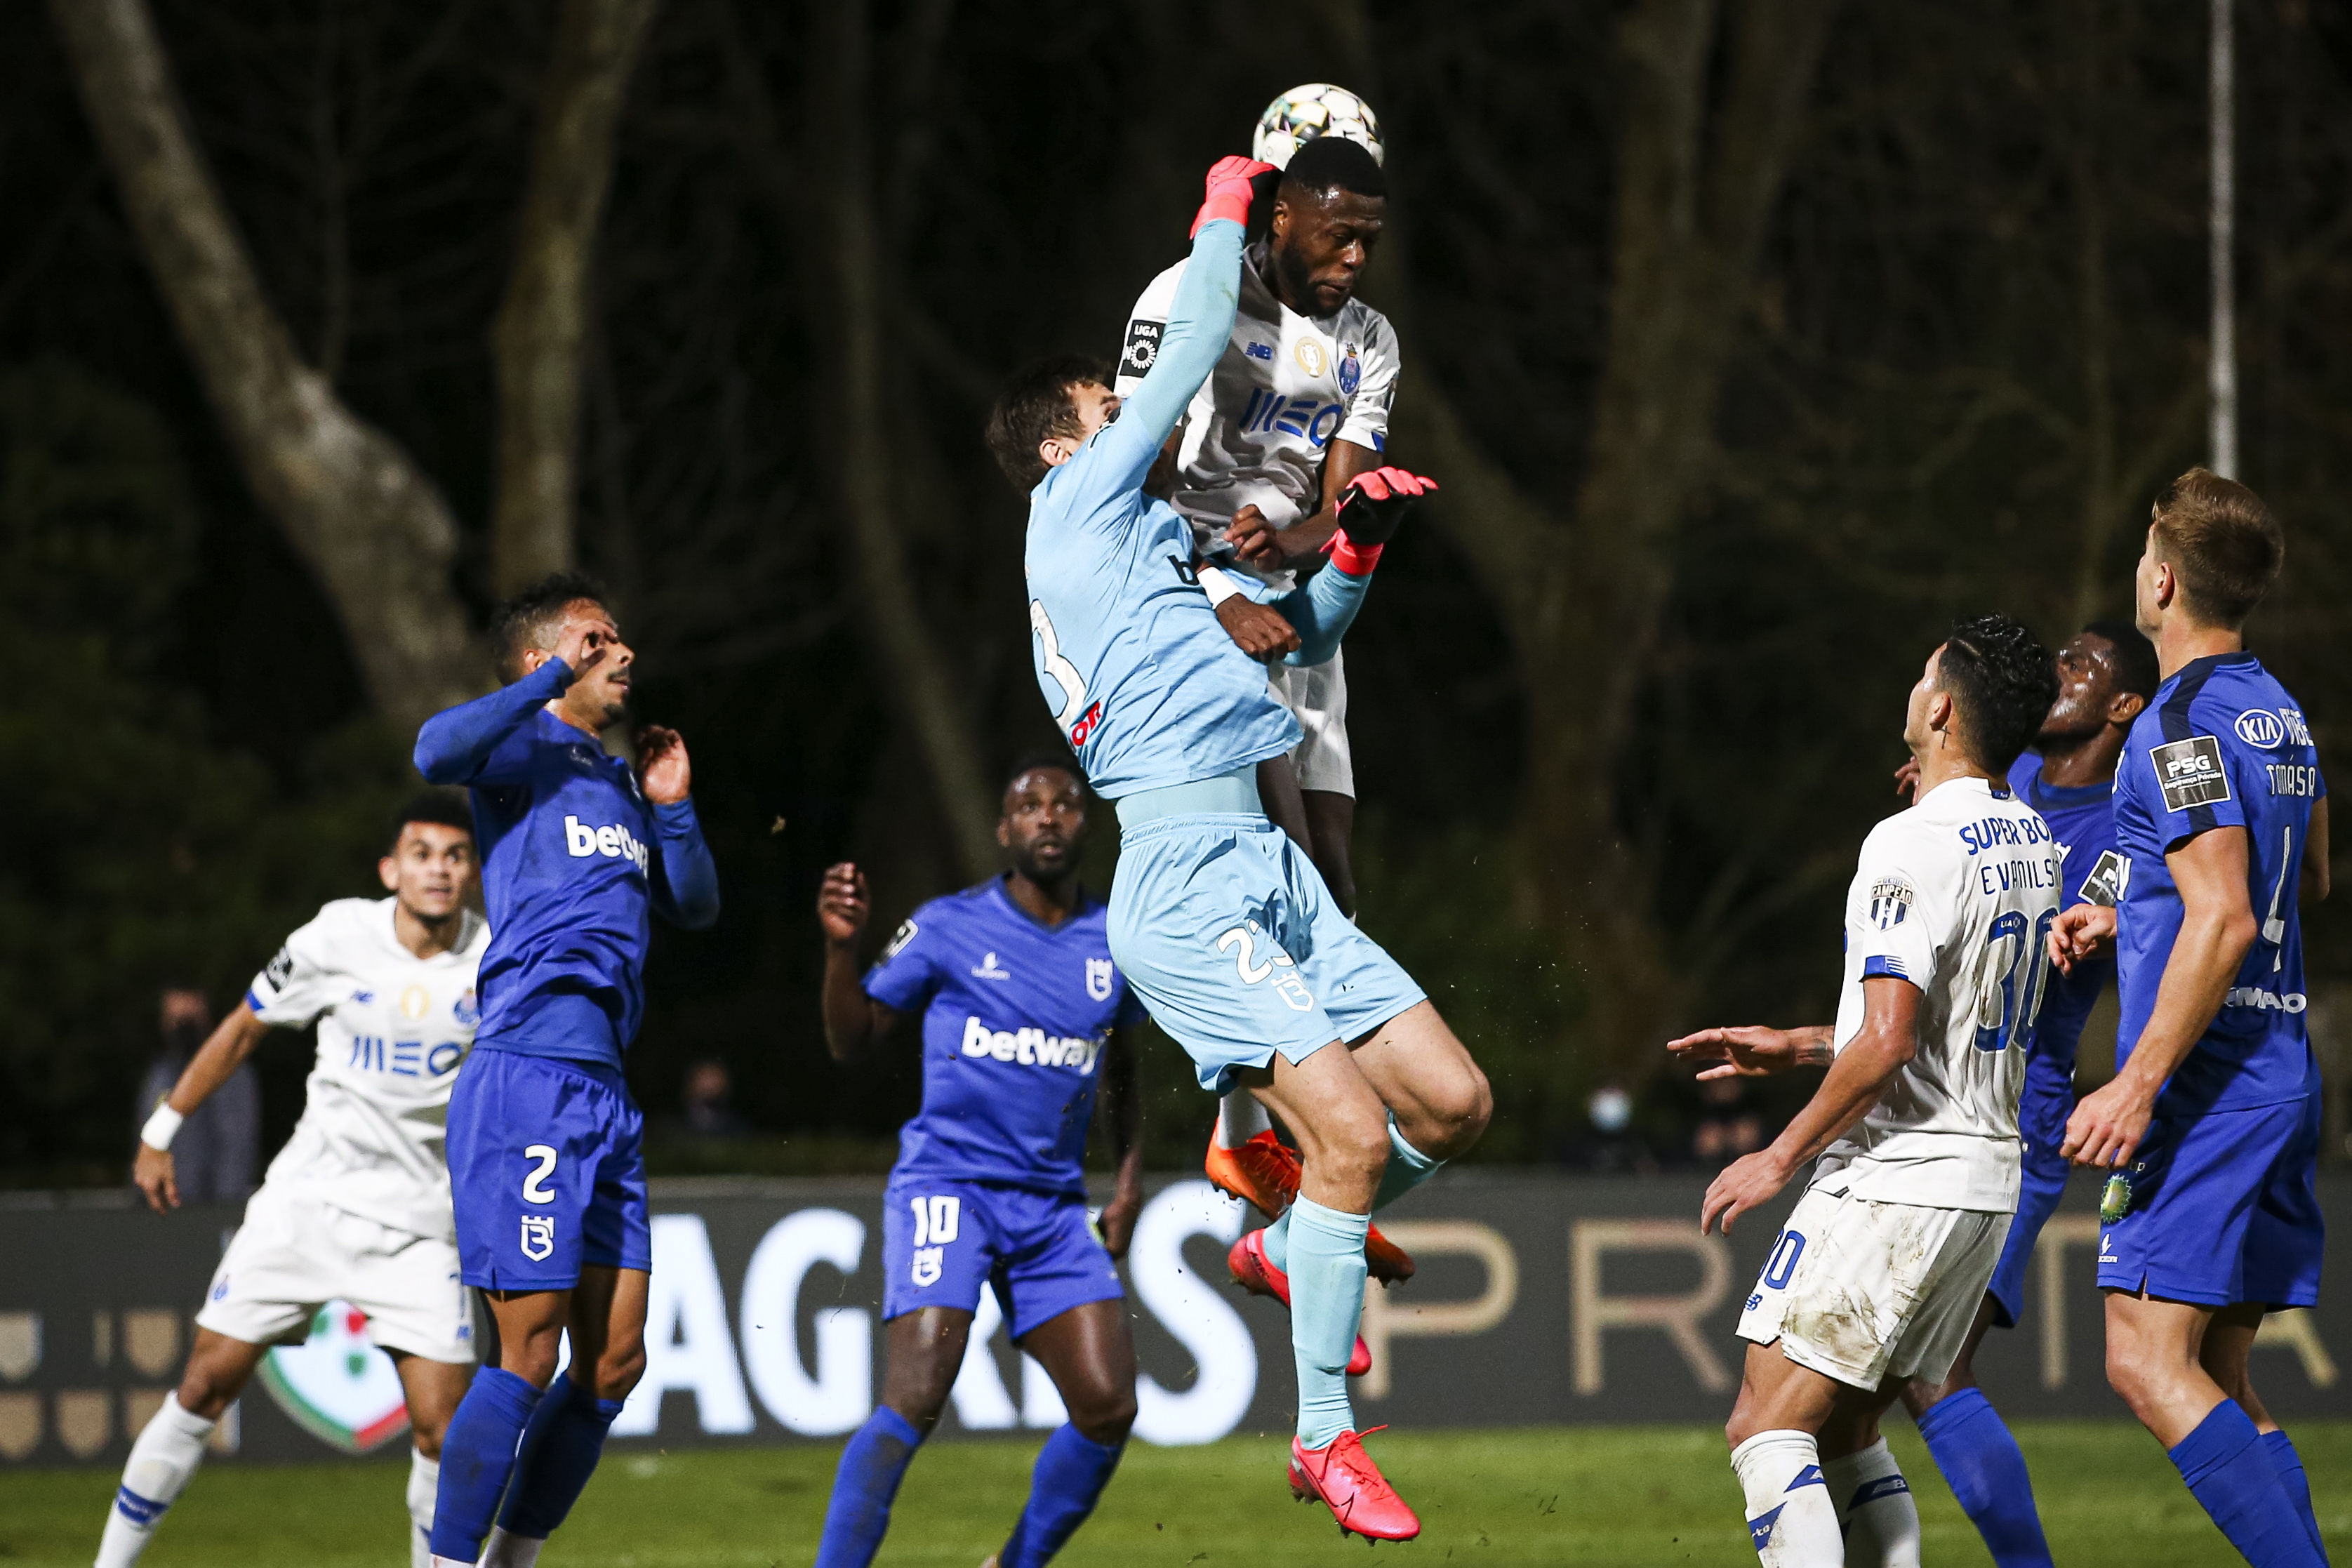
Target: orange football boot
(1264,1174)
(1342,1477)
(1255,1274)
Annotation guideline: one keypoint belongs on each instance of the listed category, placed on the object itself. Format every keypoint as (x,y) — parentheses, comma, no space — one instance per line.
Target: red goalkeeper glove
(1235,183)
(1371,507)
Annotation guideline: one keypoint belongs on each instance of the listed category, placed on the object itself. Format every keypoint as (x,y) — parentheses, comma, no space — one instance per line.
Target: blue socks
(1071,1473)
(1408,1168)
(871,1468)
(558,1453)
(2289,1466)
(1327,1296)
(1986,1473)
(477,1455)
(2232,1476)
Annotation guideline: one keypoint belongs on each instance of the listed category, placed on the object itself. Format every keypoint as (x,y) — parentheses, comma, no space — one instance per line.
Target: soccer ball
(1317,108)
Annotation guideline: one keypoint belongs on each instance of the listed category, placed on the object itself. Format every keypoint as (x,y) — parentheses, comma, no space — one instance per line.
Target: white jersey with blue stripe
(1957,896)
(1142,677)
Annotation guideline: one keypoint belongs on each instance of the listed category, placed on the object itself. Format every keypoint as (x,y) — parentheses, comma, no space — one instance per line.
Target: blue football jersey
(2223,745)
(1015,1015)
(2083,820)
(575,861)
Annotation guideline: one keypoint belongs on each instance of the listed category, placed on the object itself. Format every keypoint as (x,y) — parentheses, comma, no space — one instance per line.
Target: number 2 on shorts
(534,1187)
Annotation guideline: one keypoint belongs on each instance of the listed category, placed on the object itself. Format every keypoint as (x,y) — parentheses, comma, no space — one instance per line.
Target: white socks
(1240,1118)
(504,1551)
(1874,1503)
(1790,1519)
(423,1485)
(166,1454)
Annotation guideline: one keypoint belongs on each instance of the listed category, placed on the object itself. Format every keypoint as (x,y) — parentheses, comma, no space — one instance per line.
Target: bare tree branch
(356,507)
(543,323)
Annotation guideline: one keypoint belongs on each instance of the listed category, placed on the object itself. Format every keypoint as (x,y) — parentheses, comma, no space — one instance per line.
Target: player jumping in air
(2211,1122)
(1296,407)
(2106,673)
(1874,1280)
(579,850)
(1024,1015)
(1219,922)
(356,1205)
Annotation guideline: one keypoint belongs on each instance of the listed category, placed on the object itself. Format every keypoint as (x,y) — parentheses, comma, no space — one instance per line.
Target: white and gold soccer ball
(1317,108)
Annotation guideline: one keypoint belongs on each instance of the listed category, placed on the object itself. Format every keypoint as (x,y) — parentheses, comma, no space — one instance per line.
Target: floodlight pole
(2222,231)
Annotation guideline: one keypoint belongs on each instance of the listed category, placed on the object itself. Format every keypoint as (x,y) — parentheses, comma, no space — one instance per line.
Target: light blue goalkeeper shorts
(1225,930)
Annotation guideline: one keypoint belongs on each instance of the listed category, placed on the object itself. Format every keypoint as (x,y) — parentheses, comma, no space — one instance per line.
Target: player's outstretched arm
(213,1064)
(2218,927)
(1888,1040)
(457,745)
(1200,317)
(1754,1050)
(853,1020)
(687,892)
(1122,1109)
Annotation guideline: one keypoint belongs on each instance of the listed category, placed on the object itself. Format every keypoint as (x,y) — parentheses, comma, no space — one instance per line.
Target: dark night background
(1965,348)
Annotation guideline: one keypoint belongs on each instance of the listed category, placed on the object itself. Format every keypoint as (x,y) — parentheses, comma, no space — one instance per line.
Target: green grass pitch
(1628,1497)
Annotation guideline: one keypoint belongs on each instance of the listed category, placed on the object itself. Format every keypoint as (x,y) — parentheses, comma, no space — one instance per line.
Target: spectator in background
(1609,1143)
(218,1149)
(706,1104)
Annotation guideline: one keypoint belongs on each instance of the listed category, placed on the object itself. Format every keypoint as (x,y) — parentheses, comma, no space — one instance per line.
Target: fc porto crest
(1351,371)
(1099,978)
(336,1386)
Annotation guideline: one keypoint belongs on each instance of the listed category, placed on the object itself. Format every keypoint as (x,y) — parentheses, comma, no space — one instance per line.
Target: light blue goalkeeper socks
(1985,1471)
(1072,1470)
(2234,1477)
(477,1455)
(1408,1168)
(558,1453)
(863,1487)
(1326,1297)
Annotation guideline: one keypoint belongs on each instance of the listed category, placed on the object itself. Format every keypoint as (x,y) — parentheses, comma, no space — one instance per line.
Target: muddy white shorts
(293,1255)
(1862,1291)
(1316,697)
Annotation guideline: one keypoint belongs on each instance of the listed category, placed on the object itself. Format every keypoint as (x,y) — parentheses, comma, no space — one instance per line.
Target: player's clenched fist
(2080,933)
(841,902)
(663,772)
(1260,632)
(1373,505)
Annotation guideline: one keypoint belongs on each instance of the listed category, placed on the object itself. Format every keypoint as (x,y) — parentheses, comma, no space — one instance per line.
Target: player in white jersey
(1878,1272)
(1297,406)
(356,1205)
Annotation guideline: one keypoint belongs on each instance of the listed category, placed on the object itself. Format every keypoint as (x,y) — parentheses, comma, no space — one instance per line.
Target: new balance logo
(1030,1047)
(612,843)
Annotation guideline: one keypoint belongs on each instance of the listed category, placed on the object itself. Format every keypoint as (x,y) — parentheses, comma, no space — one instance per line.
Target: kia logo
(2261,728)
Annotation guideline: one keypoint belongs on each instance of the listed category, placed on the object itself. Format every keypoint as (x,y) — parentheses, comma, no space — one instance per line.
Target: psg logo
(337,1386)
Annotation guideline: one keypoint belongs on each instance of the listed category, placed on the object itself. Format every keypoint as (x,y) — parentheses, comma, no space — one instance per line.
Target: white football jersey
(1287,385)
(393,1028)
(1955,895)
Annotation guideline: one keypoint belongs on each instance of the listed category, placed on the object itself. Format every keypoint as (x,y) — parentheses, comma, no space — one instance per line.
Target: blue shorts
(941,1239)
(547,1168)
(2222,1210)
(1225,930)
(2042,1114)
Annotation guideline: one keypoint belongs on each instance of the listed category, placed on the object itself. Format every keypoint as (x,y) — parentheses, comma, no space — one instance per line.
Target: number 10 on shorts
(936,1223)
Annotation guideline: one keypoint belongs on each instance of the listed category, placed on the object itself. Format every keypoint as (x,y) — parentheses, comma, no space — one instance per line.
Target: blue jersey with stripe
(2223,745)
(1142,677)
(2083,820)
(1015,1016)
(576,862)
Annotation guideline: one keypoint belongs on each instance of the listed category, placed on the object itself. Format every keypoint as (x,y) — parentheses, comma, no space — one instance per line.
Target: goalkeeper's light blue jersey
(1147,688)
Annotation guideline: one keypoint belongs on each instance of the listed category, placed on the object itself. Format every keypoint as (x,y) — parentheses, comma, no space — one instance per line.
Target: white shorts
(1862,1291)
(1317,696)
(293,1255)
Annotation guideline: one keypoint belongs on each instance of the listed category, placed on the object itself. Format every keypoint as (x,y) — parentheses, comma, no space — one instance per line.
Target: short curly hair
(2001,681)
(530,617)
